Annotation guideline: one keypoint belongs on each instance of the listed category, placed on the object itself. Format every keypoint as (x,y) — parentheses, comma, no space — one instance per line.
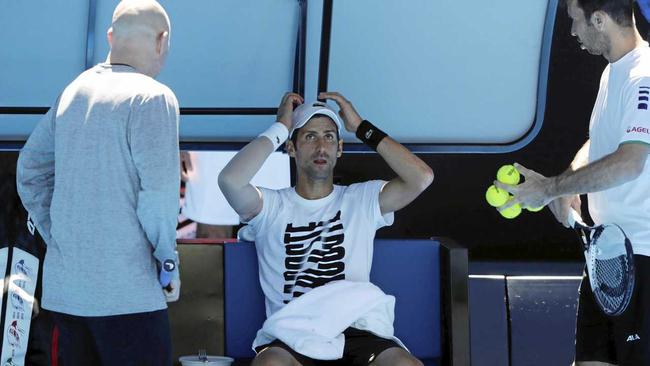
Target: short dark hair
(294,137)
(620,10)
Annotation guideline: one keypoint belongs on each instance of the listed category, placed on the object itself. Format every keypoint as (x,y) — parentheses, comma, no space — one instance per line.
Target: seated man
(318,232)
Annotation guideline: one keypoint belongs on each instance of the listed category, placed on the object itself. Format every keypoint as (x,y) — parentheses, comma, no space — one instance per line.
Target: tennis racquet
(610,263)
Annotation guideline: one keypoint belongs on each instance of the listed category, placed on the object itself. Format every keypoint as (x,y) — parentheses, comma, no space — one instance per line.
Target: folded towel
(313,323)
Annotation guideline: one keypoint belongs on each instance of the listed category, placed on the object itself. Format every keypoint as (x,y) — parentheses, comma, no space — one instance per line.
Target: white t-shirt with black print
(302,244)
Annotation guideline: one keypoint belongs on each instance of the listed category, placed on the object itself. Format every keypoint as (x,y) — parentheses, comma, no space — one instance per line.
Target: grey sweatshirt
(99,175)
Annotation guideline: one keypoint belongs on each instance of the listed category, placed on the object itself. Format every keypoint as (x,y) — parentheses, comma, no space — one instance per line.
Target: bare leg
(396,356)
(275,356)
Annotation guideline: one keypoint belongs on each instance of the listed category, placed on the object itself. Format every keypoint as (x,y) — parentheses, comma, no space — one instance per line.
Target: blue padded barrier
(410,271)
(526,268)
(542,319)
(488,320)
(244,310)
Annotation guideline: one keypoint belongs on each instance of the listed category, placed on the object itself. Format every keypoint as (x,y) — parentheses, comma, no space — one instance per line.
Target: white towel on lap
(313,323)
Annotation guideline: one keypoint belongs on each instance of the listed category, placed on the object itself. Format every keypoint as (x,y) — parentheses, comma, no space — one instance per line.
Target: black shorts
(361,348)
(623,339)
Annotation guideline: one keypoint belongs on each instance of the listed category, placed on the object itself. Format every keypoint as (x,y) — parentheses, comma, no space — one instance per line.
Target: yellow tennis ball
(512,211)
(508,174)
(496,197)
(535,209)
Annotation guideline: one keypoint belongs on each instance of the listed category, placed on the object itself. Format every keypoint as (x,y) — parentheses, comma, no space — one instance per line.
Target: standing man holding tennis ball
(612,168)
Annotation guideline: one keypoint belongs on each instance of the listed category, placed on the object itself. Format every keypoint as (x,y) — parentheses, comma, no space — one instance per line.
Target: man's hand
(285,109)
(532,193)
(561,207)
(186,166)
(347,112)
(173,290)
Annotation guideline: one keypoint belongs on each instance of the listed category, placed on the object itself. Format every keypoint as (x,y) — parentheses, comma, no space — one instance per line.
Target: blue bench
(427,277)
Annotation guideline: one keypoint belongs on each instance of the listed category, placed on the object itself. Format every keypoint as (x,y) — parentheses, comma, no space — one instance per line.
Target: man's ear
(599,19)
(291,149)
(161,42)
(109,36)
(339,151)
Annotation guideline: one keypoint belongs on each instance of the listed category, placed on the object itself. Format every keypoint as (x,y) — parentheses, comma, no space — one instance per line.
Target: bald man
(99,177)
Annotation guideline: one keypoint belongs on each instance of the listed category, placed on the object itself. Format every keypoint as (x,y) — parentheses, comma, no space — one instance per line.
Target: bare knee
(409,361)
(274,356)
(396,357)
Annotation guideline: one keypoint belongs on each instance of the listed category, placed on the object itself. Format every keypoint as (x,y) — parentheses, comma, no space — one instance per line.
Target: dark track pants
(140,339)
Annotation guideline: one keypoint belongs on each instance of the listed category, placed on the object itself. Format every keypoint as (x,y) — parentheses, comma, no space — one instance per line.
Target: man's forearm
(235,178)
(35,174)
(245,164)
(612,170)
(415,173)
(35,191)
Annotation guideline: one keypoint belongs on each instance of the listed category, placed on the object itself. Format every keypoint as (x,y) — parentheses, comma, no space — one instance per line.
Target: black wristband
(369,134)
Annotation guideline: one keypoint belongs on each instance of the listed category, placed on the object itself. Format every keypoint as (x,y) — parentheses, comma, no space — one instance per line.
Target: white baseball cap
(306,111)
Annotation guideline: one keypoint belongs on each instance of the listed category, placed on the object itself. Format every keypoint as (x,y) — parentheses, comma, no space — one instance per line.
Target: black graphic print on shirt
(314,256)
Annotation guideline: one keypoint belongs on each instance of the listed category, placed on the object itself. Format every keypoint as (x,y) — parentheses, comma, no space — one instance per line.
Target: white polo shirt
(621,115)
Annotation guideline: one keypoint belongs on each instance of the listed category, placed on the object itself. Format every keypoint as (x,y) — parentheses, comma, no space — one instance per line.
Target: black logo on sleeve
(644,93)
(314,256)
